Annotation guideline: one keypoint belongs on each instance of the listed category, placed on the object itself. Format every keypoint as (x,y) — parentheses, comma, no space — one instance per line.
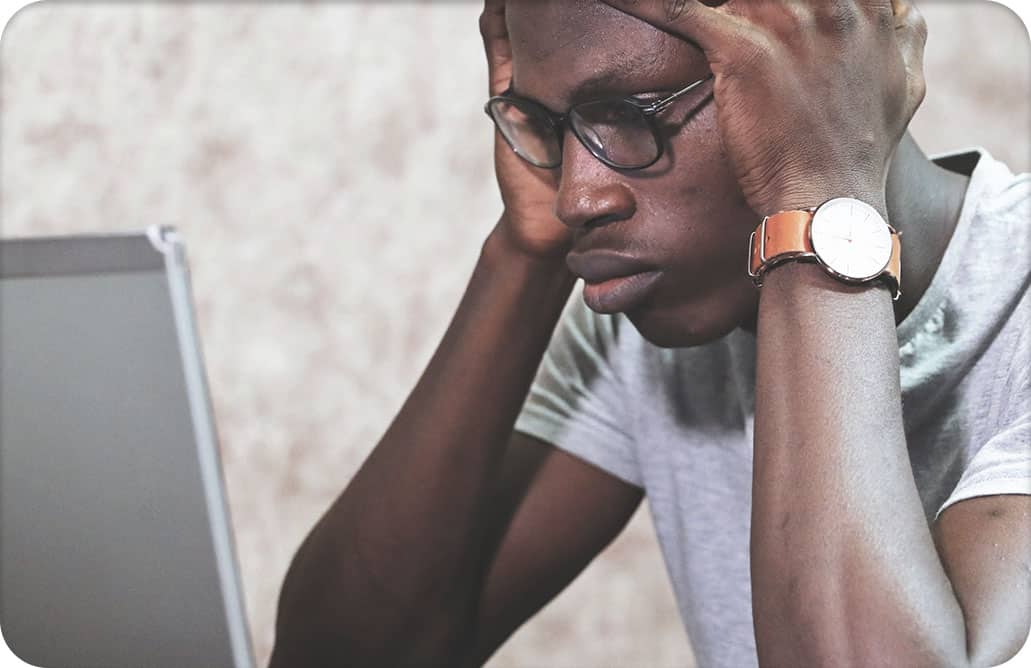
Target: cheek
(702,222)
(694,167)
(693,198)
(697,153)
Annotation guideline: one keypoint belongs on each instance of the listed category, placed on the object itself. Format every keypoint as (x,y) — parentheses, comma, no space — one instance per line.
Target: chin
(687,325)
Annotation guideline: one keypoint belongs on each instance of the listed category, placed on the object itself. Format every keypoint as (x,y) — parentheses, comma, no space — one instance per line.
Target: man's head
(685,215)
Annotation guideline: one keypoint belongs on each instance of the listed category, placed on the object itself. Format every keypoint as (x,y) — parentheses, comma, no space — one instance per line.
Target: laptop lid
(115,543)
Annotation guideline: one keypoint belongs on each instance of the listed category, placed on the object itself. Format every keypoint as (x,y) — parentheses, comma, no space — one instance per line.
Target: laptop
(115,541)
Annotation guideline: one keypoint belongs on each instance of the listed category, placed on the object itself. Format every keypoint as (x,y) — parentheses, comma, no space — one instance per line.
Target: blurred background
(329,166)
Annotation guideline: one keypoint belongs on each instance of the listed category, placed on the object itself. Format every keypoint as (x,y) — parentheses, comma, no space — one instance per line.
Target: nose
(590,194)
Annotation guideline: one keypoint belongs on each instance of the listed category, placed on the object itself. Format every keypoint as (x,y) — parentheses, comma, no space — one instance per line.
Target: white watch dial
(851,238)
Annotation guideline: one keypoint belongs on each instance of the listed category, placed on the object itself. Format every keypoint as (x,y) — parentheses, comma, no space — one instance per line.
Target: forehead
(558,46)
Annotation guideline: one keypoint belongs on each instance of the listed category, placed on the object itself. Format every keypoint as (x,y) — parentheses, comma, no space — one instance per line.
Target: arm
(406,536)
(552,527)
(845,569)
(446,540)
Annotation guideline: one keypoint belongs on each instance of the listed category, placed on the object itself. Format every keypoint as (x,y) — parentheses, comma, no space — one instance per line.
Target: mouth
(613,282)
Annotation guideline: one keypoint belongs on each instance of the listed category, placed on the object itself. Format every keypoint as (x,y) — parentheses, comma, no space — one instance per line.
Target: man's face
(683,215)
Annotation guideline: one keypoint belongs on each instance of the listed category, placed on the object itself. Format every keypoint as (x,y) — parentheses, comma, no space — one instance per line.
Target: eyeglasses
(620,132)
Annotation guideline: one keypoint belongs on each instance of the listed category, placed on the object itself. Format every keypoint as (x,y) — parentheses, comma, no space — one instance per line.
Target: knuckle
(909,18)
(800,17)
(676,10)
(885,21)
(484,23)
(919,24)
(492,24)
(839,17)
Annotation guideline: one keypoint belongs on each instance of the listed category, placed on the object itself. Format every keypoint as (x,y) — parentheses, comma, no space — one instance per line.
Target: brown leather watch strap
(785,236)
(895,263)
(780,237)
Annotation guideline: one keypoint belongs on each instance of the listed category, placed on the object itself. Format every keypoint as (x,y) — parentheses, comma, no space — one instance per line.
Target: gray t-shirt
(678,423)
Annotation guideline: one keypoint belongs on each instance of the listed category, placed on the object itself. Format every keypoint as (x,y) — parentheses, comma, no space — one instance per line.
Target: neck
(924,202)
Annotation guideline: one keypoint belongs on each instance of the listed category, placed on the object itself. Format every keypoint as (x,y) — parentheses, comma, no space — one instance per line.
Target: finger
(877,6)
(494,31)
(710,27)
(911,37)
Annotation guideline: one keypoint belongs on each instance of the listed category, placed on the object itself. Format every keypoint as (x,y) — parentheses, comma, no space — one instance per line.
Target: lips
(614,282)
(600,266)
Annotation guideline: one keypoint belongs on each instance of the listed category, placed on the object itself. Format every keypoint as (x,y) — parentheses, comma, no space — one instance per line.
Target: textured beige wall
(330,240)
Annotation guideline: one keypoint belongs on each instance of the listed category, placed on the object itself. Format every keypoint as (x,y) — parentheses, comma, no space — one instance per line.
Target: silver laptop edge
(166,241)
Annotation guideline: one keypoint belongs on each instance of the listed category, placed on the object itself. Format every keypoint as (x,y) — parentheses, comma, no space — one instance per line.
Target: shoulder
(995,190)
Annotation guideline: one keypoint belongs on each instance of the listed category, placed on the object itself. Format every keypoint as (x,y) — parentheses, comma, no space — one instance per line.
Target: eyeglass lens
(528,131)
(614,131)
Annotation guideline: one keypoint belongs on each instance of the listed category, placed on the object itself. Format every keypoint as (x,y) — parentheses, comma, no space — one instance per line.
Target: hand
(812,96)
(527,192)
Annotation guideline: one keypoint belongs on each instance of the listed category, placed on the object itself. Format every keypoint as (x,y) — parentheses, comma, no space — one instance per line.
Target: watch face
(851,238)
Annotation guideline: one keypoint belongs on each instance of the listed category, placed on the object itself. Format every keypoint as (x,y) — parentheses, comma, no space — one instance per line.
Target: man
(838,473)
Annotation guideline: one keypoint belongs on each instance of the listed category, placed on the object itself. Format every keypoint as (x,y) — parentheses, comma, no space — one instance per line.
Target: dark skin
(661,214)
(845,570)
(456,530)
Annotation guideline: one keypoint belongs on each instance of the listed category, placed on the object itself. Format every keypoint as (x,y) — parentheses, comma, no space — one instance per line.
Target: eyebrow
(601,84)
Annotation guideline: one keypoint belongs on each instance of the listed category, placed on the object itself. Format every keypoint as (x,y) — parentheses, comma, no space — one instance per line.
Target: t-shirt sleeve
(577,401)
(1001,466)
(1003,463)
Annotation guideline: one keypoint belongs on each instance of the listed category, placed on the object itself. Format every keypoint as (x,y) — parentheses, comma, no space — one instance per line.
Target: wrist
(503,249)
(847,237)
(813,195)
(546,248)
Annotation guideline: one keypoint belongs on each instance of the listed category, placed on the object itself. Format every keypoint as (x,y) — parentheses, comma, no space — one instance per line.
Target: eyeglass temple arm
(659,105)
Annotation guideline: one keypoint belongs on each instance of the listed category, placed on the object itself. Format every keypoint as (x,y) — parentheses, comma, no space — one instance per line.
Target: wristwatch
(845,236)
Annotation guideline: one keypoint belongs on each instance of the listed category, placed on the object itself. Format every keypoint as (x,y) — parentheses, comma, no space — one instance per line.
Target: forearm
(844,568)
(401,549)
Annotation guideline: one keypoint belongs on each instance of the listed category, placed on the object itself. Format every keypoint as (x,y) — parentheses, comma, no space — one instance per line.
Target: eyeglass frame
(560,121)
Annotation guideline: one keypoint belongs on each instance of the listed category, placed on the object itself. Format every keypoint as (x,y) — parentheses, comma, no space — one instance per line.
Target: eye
(613,114)
(646,98)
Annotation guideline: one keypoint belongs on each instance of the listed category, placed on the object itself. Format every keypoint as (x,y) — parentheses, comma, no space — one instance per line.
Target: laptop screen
(114,548)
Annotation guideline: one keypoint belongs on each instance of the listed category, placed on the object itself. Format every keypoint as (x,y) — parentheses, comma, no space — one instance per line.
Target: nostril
(594,213)
(602,221)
